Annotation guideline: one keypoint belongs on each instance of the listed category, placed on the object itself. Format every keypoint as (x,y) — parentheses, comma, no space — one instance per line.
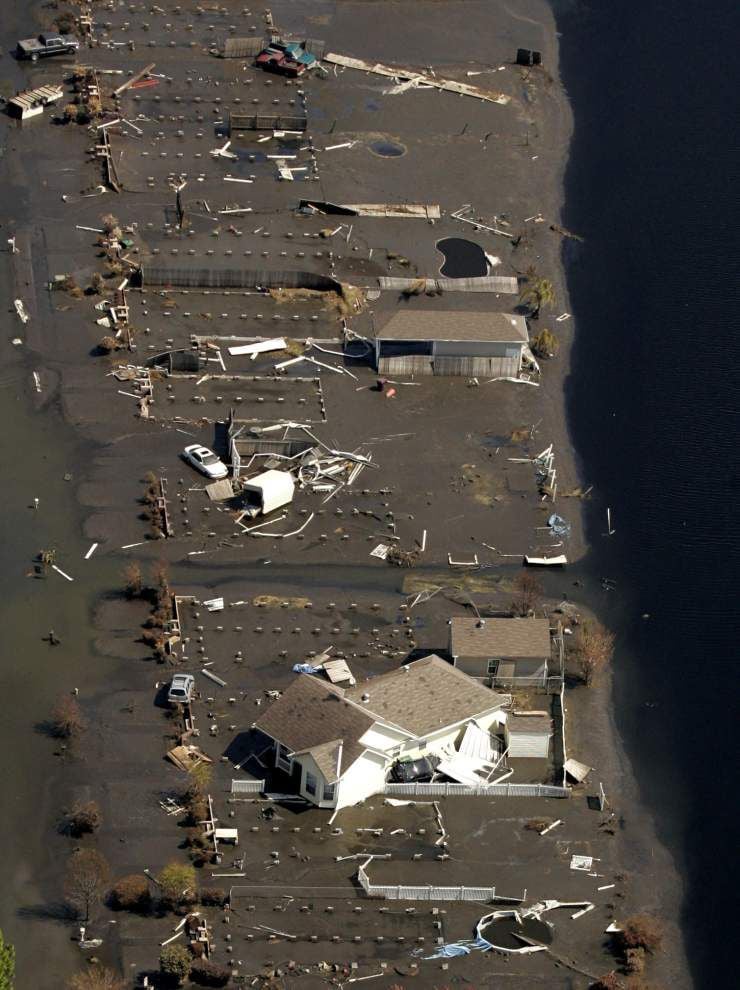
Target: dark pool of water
(388,149)
(503,932)
(463,259)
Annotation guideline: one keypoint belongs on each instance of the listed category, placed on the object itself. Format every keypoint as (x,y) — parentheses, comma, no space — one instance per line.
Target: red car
(273,60)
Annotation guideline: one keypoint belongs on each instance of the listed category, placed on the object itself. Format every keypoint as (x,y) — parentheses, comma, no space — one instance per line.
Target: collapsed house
(454,342)
(338,745)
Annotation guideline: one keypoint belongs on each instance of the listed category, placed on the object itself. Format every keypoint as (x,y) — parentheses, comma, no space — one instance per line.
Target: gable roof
(425,696)
(442,324)
(315,717)
(312,713)
(500,638)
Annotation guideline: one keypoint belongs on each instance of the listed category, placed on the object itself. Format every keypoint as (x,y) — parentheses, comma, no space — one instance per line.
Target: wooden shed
(528,735)
(451,342)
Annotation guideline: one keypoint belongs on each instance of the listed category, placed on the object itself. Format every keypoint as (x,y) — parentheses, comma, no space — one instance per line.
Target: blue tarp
(558,525)
(305,668)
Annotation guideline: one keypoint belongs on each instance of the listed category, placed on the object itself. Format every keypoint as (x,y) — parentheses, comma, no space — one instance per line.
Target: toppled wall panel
(450,85)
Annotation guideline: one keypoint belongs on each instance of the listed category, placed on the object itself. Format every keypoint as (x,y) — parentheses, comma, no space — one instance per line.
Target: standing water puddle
(388,149)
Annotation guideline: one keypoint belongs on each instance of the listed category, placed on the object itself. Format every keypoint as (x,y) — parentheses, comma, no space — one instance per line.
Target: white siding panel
(364,778)
(528,744)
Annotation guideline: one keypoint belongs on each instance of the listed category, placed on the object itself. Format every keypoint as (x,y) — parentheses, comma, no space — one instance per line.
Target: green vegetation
(7,964)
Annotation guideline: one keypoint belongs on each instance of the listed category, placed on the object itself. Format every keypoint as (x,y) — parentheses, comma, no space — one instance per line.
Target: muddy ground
(440,453)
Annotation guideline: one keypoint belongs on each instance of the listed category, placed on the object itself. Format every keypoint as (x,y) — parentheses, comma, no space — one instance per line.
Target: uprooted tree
(85,881)
(594,650)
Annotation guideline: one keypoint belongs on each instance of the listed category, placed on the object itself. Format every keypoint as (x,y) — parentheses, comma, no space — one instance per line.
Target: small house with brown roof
(510,652)
(340,743)
(425,341)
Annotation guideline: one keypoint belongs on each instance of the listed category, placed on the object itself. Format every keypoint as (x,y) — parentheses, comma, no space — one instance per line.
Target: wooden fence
(479,790)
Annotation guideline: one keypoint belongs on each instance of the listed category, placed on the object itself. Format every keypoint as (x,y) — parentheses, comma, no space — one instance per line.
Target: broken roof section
(500,638)
(454,325)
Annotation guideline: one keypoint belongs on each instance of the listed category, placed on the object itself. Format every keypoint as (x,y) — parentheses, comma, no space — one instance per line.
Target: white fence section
(247,786)
(425,893)
(479,790)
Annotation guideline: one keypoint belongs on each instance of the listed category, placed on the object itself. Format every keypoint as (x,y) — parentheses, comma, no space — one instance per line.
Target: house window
(328,793)
(283,758)
(311,784)
(493,667)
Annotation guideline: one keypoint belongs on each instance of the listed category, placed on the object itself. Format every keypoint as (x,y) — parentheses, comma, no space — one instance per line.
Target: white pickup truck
(47,44)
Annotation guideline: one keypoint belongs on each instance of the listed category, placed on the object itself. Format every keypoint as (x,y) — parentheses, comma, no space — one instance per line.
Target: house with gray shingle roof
(508,652)
(340,743)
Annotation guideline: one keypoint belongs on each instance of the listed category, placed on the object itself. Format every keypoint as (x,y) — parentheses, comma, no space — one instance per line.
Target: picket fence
(247,786)
(428,892)
(476,790)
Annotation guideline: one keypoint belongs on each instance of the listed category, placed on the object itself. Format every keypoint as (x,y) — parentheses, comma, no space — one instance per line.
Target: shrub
(209,974)
(67,721)
(609,981)
(97,283)
(594,650)
(131,893)
(133,580)
(83,818)
(641,931)
(175,962)
(108,344)
(545,344)
(96,978)
(213,897)
(177,884)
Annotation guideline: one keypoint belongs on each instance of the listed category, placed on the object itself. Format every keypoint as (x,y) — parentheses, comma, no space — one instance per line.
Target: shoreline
(556,375)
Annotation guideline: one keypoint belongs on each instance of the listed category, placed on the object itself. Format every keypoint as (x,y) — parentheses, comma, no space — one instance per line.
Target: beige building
(339,744)
(511,652)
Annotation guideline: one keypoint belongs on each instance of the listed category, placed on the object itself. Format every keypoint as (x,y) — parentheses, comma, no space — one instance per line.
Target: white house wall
(364,778)
(308,765)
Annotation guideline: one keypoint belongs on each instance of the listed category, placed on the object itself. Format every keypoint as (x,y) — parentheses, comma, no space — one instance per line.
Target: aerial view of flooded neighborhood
(307,681)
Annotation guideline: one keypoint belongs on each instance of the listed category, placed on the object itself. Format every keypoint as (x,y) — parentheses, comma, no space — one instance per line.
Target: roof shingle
(500,638)
(454,325)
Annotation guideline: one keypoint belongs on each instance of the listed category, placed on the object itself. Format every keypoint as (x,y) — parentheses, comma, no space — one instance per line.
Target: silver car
(204,460)
(181,689)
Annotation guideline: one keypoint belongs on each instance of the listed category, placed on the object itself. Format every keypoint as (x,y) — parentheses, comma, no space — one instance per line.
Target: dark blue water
(654,400)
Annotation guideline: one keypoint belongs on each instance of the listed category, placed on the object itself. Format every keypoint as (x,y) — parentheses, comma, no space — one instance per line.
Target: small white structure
(269,491)
(528,735)
(341,743)
(32,102)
